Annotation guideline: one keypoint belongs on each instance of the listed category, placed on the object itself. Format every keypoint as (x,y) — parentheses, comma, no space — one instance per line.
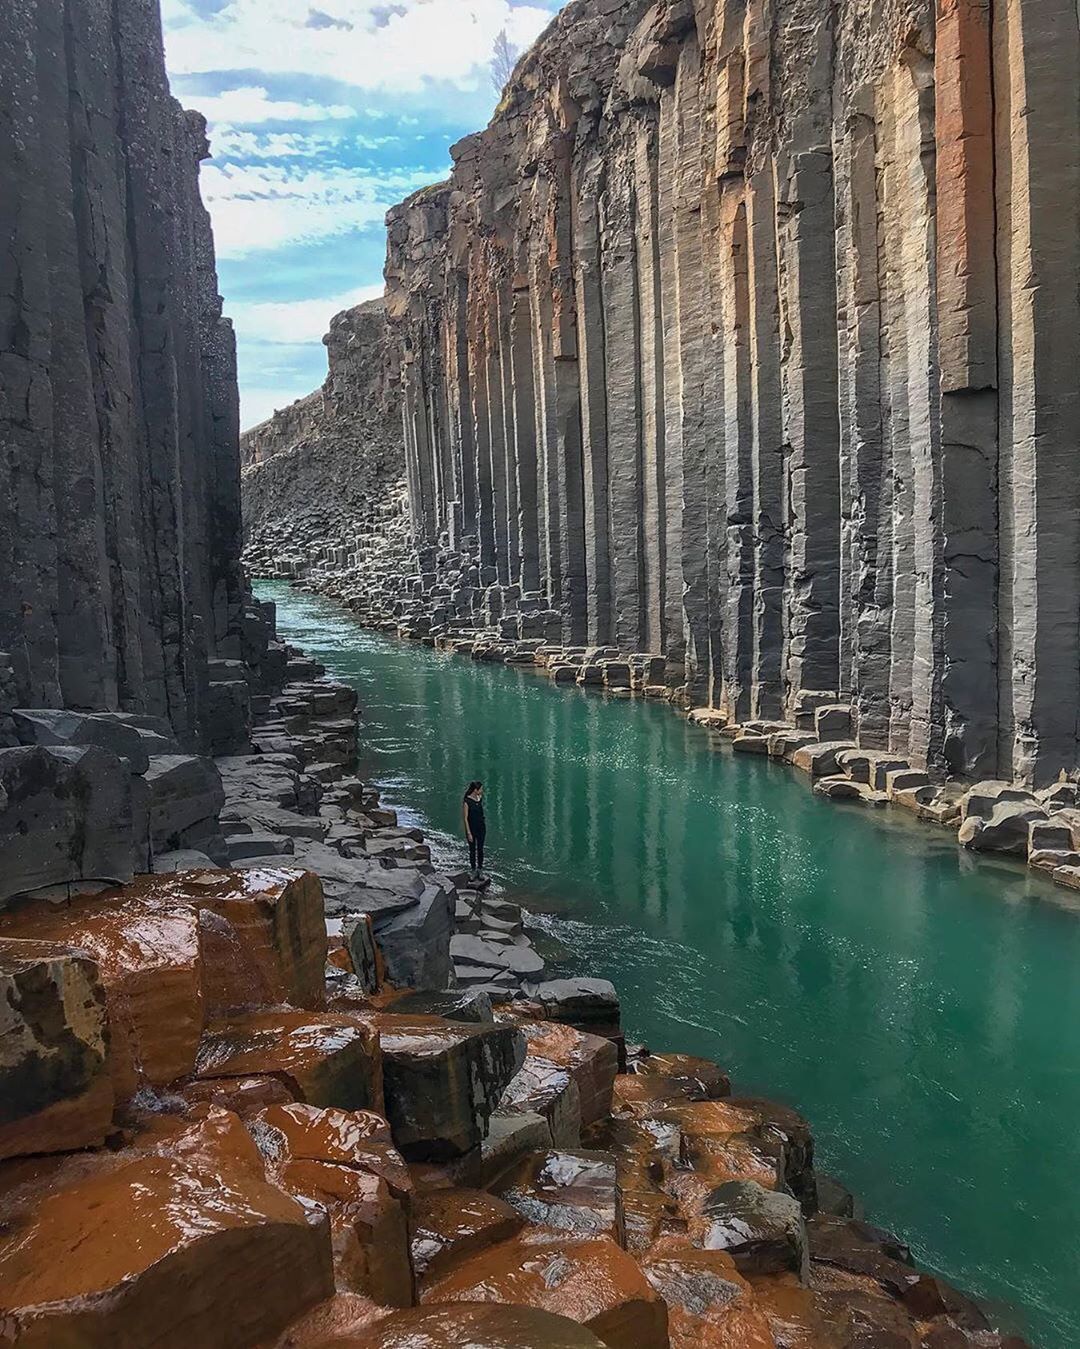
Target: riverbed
(917,1004)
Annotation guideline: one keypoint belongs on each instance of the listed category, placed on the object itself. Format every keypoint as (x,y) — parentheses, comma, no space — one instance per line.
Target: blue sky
(323,113)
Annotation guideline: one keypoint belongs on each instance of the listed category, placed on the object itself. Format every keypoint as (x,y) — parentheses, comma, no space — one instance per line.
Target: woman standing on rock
(472,814)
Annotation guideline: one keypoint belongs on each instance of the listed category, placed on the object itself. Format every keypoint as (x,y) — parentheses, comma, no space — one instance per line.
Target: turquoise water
(920,1007)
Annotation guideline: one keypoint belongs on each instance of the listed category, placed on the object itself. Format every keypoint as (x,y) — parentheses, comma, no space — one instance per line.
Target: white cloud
(366,44)
(227,142)
(297,321)
(248,105)
(266,206)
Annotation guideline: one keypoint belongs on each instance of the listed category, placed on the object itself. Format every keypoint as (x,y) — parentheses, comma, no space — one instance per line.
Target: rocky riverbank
(444,599)
(305,1090)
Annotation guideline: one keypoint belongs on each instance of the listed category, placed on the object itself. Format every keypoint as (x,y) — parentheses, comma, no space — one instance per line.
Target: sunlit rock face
(119,485)
(746,334)
(328,469)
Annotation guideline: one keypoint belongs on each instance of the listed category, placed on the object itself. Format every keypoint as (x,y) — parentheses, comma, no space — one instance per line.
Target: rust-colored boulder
(345,1162)
(575,1192)
(710,1305)
(480,1327)
(591,1061)
(333,1324)
(680,1076)
(721,1142)
(244,1096)
(324,1058)
(859,1248)
(549,1091)
(443,1080)
(762,1230)
(450,1224)
(263,934)
(175,1242)
(150,965)
(56,1093)
(592,1281)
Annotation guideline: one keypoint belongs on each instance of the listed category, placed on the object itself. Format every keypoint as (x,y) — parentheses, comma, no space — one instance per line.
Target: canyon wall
(320,471)
(120,523)
(748,333)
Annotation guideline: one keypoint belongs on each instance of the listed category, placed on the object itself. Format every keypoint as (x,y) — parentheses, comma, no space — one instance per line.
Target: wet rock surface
(496,1153)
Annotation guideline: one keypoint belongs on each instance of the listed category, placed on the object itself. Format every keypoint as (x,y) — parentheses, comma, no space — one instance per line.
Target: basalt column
(793,296)
(119,482)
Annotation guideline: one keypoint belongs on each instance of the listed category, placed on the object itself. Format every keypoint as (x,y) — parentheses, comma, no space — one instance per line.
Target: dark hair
(471,788)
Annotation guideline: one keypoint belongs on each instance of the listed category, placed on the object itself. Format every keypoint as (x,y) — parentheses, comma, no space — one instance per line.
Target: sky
(323,114)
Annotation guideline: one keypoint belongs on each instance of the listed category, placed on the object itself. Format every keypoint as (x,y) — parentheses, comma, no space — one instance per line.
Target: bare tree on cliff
(504,56)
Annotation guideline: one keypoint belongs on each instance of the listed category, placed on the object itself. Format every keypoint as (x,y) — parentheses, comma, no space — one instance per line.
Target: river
(918,1005)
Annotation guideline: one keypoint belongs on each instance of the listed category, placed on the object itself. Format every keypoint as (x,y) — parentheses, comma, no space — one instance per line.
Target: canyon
(730,368)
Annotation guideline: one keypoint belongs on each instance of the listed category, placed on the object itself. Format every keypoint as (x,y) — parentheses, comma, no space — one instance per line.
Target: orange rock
(56,1093)
(325,1058)
(591,1281)
(710,1305)
(263,935)
(480,1327)
(591,1060)
(149,962)
(573,1191)
(798,1317)
(345,1162)
(244,1096)
(675,1076)
(178,1241)
(334,1324)
(357,1138)
(368,1224)
(646,1152)
(449,1225)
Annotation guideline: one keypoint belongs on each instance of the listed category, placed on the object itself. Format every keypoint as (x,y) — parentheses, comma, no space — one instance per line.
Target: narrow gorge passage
(915,1004)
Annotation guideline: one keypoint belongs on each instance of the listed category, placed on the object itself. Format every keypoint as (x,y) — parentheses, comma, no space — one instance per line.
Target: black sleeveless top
(477,824)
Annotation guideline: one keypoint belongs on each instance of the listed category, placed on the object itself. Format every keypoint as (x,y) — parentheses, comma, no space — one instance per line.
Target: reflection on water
(919,1006)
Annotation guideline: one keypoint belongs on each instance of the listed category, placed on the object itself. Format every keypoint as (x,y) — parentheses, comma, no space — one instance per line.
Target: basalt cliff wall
(747,334)
(120,523)
(328,468)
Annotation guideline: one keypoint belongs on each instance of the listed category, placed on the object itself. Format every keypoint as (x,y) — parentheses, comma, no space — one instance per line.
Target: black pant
(476,852)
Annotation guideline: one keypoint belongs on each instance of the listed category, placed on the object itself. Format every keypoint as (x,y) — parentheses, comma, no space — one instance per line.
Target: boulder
(858,1248)
(762,1230)
(185,792)
(591,1280)
(983,798)
(820,760)
(548,1090)
(345,1162)
(681,1076)
(112,731)
(710,1305)
(177,1242)
(416,941)
(511,1134)
(589,1004)
(449,1225)
(1006,830)
(324,1059)
(56,1092)
(591,1061)
(66,814)
(443,1080)
(473,952)
(572,1191)
(149,962)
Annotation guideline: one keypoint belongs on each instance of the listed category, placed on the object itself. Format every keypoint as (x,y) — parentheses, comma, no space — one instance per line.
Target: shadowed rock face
(119,487)
(746,334)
